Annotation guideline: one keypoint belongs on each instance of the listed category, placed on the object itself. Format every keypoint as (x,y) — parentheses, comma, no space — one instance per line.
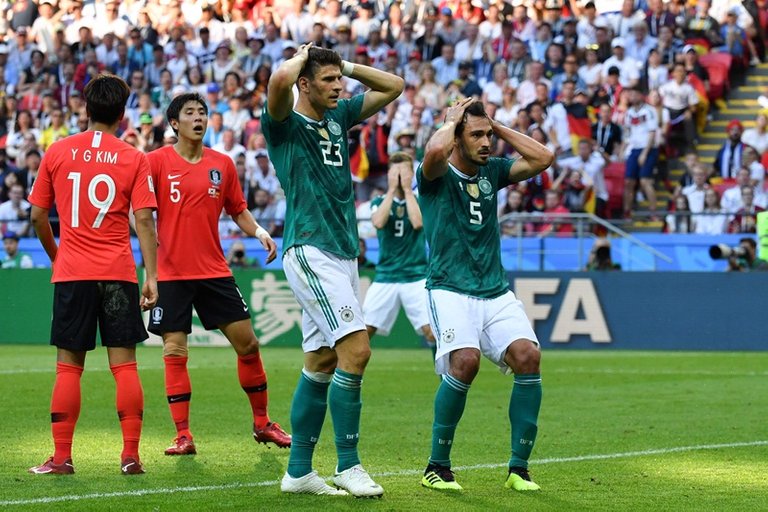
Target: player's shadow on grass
(269,464)
(189,464)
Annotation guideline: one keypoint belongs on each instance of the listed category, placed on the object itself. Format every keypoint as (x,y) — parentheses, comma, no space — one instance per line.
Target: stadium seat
(718,65)
(614,182)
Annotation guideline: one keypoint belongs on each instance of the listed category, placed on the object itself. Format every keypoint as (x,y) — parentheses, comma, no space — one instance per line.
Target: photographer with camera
(236,257)
(742,258)
(600,256)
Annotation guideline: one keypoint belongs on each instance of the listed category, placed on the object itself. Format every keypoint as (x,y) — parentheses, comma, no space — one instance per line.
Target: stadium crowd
(599,87)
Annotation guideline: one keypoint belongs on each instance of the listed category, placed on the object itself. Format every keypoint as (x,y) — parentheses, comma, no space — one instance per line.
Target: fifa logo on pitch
(157,315)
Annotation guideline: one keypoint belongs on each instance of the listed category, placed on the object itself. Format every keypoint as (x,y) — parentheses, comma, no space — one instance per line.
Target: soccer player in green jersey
(402,268)
(472,310)
(308,145)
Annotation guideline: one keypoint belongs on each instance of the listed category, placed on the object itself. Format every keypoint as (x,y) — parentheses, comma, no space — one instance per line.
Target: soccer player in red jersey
(194,183)
(95,180)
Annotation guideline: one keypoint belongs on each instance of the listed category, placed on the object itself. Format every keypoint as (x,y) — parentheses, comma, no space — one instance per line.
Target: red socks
(254,382)
(65,409)
(130,406)
(178,390)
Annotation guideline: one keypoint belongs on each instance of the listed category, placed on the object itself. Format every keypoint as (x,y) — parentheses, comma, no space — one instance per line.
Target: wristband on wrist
(261,231)
(347,68)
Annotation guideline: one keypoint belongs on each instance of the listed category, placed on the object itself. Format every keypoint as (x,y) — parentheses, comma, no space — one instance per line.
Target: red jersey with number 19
(190,198)
(95,179)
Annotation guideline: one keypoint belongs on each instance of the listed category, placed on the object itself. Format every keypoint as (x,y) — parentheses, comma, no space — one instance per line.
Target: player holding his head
(472,310)
(194,184)
(95,179)
(308,145)
(402,267)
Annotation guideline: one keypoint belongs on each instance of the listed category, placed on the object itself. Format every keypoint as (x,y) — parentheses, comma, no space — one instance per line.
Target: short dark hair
(750,241)
(399,157)
(105,98)
(476,109)
(172,113)
(319,57)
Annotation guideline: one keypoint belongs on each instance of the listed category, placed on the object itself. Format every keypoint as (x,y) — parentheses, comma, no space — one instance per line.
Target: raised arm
(280,88)
(384,87)
(250,227)
(145,231)
(535,157)
(411,204)
(440,145)
(380,216)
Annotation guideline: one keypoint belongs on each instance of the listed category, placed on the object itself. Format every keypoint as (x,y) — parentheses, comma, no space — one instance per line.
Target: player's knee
(525,357)
(465,364)
(250,346)
(174,350)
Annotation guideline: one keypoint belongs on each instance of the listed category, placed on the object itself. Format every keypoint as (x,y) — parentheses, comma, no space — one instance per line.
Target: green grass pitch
(617,431)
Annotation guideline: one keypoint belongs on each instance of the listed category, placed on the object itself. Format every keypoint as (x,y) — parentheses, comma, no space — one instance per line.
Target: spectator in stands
(570,74)
(658,16)
(236,257)
(263,173)
(13,257)
(732,200)
(446,66)
(703,26)
(264,210)
(713,220)
(607,134)
(526,91)
(57,130)
(229,145)
(757,137)
(14,213)
(680,100)
(679,219)
(600,257)
(553,215)
(22,134)
(430,43)
(470,48)
(640,44)
(592,70)
(629,73)
(695,191)
(668,46)
(749,262)
(493,91)
(751,161)
(510,226)
(236,117)
(364,263)
(733,37)
(745,220)
(29,167)
(589,165)
(640,125)
(729,158)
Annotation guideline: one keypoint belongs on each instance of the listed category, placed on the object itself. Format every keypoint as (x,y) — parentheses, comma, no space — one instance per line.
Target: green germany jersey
(312,163)
(402,249)
(462,229)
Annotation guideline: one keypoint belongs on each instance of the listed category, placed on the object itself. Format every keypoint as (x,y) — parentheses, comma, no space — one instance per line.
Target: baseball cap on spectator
(21,31)
(367,5)
(343,27)
(361,50)
(446,11)
(415,54)
(289,44)
(734,11)
(391,52)
(213,88)
(614,70)
(734,123)
(617,42)
(145,118)
(553,4)
(260,153)
(405,132)
(10,235)
(689,48)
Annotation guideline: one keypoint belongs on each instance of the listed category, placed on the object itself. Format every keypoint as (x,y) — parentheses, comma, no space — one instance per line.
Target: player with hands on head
(472,310)
(402,268)
(95,179)
(307,143)
(194,184)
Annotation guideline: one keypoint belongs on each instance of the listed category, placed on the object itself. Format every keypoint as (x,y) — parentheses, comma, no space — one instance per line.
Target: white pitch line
(403,472)
(618,371)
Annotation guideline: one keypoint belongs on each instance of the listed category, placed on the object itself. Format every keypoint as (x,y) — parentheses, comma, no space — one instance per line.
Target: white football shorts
(328,290)
(383,301)
(489,325)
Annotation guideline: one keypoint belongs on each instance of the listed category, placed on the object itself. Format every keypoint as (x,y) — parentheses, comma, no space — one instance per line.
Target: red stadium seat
(718,66)
(614,182)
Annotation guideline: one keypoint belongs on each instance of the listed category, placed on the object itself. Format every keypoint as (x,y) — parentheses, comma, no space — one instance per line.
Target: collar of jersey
(309,119)
(460,174)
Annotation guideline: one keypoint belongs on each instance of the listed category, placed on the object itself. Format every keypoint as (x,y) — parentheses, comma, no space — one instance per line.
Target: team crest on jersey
(448,336)
(400,211)
(473,190)
(346,314)
(485,186)
(214,176)
(334,128)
